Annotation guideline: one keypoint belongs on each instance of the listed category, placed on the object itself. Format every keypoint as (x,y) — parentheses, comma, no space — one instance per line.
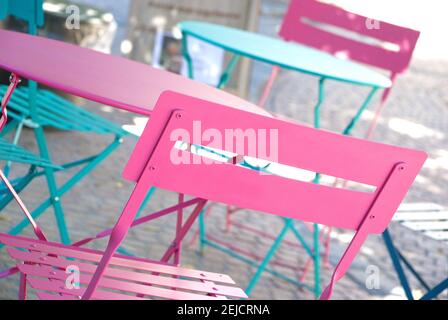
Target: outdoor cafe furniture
(36,108)
(309,46)
(136,88)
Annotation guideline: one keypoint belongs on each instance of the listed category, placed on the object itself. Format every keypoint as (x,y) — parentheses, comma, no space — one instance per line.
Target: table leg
(55,197)
(226,75)
(316,242)
(187,56)
(348,130)
(269,255)
(320,101)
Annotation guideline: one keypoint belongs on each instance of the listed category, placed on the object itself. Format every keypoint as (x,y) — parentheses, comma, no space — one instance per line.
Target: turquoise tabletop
(287,55)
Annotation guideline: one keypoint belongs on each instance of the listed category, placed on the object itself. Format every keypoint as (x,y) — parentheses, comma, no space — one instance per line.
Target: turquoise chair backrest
(29,11)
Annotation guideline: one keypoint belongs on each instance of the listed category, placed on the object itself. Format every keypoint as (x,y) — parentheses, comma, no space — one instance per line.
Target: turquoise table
(286,55)
(289,56)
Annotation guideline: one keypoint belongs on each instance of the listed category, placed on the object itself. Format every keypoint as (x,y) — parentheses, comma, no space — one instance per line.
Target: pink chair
(388,47)
(155,162)
(378,44)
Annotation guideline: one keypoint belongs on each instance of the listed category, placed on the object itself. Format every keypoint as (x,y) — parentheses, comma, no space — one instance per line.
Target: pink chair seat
(44,265)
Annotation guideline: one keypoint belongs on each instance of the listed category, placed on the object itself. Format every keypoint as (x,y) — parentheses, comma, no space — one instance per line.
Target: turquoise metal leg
(15,141)
(302,241)
(269,255)
(397,258)
(316,243)
(438,289)
(226,75)
(187,56)
(8,128)
(397,265)
(320,101)
(202,232)
(55,196)
(348,130)
(67,186)
(19,186)
(256,264)
(145,201)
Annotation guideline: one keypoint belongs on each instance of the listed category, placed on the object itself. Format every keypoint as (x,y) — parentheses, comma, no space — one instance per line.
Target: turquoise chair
(37,109)
(12,153)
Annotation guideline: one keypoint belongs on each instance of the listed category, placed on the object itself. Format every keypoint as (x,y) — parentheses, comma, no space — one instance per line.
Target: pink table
(99,77)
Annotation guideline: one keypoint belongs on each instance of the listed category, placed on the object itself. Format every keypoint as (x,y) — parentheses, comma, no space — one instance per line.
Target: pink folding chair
(379,44)
(155,162)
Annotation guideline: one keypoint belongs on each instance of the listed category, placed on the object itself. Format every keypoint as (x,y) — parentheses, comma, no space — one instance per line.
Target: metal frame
(397,260)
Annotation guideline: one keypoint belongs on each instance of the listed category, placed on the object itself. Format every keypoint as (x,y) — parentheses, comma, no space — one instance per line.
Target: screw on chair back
(30,11)
(351,36)
(391,170)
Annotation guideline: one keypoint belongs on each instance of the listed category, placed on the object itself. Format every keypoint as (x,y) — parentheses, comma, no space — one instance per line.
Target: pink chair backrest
(303,21)
(178,117)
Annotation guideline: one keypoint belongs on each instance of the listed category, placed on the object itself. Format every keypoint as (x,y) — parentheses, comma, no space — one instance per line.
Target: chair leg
(316,258)
(52,186)
(433,293)
(345,262)
(8,128)
(151,192)
(180,217)
(119,232)
(96,161)
(22,287)
(348,130)
(397,265)
(269,255)
(202,232)
(183,231)
(19,187)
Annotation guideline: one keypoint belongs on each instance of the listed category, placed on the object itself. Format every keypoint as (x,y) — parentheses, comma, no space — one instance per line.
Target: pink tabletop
(103,78)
